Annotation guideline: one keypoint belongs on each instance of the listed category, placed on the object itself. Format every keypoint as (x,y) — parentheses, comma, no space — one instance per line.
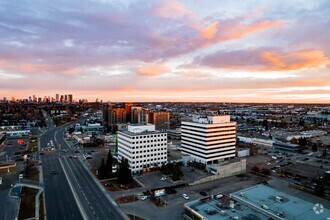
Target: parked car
(203,193)
(144,198)
(185,196)
(163,178)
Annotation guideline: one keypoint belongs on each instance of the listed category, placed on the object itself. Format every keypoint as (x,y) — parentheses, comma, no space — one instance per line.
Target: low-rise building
(286,146)
(257,202)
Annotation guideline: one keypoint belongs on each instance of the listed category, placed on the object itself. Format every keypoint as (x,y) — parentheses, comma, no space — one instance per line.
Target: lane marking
(82,211)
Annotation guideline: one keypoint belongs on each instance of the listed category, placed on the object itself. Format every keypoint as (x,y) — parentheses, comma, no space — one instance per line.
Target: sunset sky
(192,50)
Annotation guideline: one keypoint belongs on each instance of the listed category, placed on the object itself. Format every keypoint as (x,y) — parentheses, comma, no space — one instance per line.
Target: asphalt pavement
(72,193)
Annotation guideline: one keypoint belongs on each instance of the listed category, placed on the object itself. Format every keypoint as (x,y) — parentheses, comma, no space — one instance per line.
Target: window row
(148,155)
(146,146)
(148,160)
(149,136)
(148,141)
(150,150)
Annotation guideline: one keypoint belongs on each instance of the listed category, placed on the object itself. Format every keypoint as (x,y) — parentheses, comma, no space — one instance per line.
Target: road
(73,193)
(59,199)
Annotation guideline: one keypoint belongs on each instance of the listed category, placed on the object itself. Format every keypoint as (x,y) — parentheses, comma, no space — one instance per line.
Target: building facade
(143,147)
(209,139)
(161,120)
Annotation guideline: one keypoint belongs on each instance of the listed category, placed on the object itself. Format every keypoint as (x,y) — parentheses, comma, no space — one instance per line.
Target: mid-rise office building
(208,139)
(143,147)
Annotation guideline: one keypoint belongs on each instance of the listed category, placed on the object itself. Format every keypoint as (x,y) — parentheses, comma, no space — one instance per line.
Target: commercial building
(143,147)
(208,139)
(279,205)
(288,147)
(90,129)
(174,134)
(257,202)
(259,141)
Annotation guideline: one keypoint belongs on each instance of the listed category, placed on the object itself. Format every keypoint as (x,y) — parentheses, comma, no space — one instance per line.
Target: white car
(144,198)
(268,164)
(163,178)
(185,196)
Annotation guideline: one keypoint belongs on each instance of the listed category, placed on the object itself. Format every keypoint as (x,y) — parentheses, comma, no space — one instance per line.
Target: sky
(191,50)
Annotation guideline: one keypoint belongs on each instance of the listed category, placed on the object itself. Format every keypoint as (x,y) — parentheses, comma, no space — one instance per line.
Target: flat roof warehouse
(257,202)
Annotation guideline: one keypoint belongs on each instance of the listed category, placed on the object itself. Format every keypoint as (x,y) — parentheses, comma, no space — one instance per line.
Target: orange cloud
(171,9)
(37,67)
(296,60)
(154,70)
(240,30)
(210,30)
(216,33)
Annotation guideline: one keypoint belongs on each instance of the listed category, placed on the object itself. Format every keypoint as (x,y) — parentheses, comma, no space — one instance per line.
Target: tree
(319,187)
(124,173)
(324,154)
(302,142)
(172,169)
(255,169)
(109,163)
(102,170)
(293,141)
(177,172)
(314,147)
(116,143)
(265,171)
(265,124)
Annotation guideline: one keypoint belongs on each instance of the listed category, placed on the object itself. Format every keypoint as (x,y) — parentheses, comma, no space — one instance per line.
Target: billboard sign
(160,192)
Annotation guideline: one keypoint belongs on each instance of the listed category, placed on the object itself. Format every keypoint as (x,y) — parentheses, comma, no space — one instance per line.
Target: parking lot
(173,208)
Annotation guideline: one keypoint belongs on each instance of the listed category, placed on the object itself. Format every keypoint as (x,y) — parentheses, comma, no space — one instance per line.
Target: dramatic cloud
(266,59)
(181,50)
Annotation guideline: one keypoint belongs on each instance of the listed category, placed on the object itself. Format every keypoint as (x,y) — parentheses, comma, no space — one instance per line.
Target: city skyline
(198,51)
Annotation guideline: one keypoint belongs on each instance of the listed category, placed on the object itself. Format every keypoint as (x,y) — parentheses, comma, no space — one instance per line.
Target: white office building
(143,147)
(208,139)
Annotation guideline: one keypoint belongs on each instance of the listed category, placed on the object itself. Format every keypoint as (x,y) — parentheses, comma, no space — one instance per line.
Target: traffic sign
(20,176)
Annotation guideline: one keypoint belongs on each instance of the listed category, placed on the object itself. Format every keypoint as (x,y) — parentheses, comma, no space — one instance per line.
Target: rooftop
(211,119)
(213,209)
(275,202)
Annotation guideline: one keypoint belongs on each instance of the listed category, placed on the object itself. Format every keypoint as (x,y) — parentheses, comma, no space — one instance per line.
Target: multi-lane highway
(59,199)
(72,193)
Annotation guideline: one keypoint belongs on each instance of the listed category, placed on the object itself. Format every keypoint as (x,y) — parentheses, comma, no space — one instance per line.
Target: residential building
(143,147)
(139,115)
(209,139)
(70,98)
(128,107)
(161,120)
(116,115)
